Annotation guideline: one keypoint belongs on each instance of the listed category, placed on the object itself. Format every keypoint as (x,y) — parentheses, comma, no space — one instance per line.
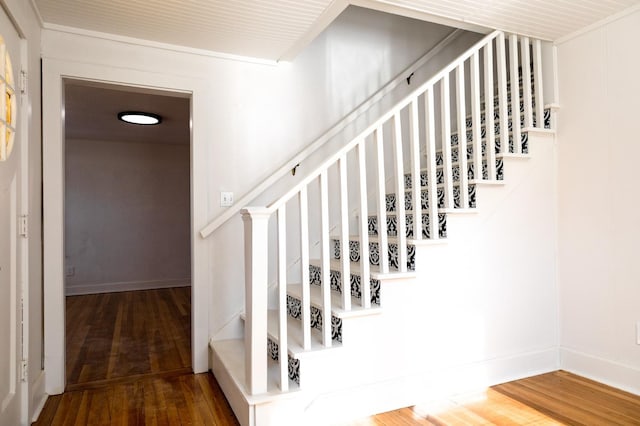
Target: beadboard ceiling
(277,29)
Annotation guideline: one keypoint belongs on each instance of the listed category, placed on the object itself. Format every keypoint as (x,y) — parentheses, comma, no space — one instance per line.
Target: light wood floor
(135,333)
(128,363)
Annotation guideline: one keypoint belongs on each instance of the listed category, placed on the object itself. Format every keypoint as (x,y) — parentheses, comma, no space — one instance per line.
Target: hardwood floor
(128,363)
(118,335)
(186,399)
(550,399)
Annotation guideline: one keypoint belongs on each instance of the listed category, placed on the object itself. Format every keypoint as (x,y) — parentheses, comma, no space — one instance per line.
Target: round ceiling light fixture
(139,117)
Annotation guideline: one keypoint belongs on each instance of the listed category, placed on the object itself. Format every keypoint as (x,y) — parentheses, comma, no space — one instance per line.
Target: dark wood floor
(128,364)
(135,333)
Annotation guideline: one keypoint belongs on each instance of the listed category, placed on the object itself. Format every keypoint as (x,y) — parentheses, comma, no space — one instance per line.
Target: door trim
(54,73)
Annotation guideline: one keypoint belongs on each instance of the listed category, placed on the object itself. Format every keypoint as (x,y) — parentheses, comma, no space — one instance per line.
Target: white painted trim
(596,25)
(602,370)
(157,45)
(80,289)
(399,392)
(337,128)
(37,388)
(324,20)
(54,72)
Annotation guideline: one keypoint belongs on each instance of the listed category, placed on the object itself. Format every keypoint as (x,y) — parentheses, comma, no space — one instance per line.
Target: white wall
(598,206)
(126,216)
(249,118)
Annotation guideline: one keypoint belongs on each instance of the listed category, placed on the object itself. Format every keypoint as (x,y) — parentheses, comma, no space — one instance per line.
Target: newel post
(256,238)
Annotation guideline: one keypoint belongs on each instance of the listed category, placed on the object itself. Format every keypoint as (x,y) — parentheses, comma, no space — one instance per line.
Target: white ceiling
(273,29)
(91,112)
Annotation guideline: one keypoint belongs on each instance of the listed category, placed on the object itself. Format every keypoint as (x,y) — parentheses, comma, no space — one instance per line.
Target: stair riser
(424,178)
(335,277)
(294,310)
(392,226)
(294,364)
(374,253)
(424,198)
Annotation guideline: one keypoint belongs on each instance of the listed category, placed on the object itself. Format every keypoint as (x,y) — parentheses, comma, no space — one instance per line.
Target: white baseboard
(38,396)
(602,370)
(378,397)
(80,289)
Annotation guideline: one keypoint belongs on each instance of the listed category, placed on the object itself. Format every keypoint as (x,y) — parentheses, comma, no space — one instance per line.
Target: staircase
(320,348)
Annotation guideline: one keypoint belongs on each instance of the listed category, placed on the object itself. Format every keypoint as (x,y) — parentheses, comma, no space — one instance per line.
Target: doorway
(127,246)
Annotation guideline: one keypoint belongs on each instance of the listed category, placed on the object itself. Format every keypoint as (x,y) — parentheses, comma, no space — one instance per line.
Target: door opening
(127,246)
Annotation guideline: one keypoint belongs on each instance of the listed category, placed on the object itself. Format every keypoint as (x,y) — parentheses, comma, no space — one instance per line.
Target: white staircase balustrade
(480,76)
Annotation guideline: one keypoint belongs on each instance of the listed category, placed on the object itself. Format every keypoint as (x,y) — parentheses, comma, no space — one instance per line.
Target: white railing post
(432,178)
(400,192)
(502,93)
(383,238)
(416,188)
(345,258)
(537,82)
(283,353)
(515,93)
(365,268)
(463,164)
(325,260)
(475,115)
(446,142)
(489,112)
(304,265)
(256,239)
(525,49)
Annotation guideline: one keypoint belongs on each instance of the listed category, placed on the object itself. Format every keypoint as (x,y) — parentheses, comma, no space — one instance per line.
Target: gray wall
(126,216)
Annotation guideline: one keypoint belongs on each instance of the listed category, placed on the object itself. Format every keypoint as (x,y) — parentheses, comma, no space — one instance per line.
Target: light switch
(226,199)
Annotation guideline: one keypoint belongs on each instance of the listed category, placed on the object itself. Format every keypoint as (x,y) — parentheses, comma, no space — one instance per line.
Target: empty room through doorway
(127,236)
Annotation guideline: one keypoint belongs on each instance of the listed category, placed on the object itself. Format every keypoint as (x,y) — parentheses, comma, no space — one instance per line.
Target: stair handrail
(384,118)
(326,136)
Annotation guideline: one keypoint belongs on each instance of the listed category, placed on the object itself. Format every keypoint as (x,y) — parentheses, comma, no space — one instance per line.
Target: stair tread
(336,265)
(295,290)
(376,238)
(295,345)
(232,354)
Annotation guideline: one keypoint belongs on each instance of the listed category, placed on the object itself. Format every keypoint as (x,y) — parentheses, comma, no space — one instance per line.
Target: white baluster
(537,75)
(345,270)
(446,142)
(502,94)
(432,179)
(475,114)
(463,165)
(416,188)
(365,268)
(526,81)
(304,264)
(256,242)
(515,93)
(490,130)
(383,238)
(282,299)
(400,208)
(325,259)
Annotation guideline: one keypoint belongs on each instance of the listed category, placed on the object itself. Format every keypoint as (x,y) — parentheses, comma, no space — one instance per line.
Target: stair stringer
(457,328)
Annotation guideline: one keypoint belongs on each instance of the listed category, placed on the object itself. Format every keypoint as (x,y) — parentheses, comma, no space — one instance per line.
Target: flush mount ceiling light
(139,117)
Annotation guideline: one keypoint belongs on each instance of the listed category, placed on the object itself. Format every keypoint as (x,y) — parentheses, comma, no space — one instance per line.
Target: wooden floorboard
(116,335)
(128,363)
(558,398)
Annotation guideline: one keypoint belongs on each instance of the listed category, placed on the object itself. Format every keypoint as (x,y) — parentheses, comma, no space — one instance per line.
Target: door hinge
(23,226)
(23,81)
(24,370)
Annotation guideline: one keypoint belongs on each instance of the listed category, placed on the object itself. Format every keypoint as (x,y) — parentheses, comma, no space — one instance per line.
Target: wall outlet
(71,271)
(638,332)
(226,199)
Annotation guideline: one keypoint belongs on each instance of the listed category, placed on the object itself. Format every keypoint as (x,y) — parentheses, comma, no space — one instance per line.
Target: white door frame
(54,73)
